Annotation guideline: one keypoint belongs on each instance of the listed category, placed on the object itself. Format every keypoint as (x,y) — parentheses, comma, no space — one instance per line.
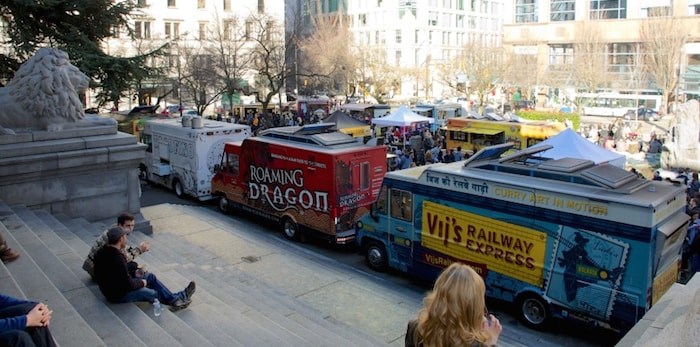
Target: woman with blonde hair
(453,313)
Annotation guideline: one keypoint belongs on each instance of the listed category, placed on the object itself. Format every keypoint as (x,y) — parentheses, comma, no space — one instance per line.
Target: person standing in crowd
(119,286)
(127,222)
(458,154)
(6,253)
(24,323)
(453,313)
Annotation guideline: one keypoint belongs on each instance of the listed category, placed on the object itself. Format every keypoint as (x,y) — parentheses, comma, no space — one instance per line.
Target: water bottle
(157,308)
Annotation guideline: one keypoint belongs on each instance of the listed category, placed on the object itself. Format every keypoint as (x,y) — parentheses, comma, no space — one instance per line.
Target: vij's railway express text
(561,238)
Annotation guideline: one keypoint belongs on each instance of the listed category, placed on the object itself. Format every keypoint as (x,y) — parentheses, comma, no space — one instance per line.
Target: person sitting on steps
(119,286)
(6,253)
(126,221)
(24,323)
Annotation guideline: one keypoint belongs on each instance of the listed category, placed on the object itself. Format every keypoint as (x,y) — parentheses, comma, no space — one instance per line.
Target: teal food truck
(561,238)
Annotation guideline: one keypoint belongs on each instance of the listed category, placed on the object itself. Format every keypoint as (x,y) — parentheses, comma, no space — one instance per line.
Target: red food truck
(307,178)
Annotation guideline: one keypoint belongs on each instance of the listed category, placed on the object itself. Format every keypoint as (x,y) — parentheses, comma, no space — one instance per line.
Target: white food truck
(181,154)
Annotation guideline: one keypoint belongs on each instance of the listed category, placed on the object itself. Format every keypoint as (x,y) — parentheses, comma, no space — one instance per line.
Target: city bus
(611,104)
(474,134)
(561,239)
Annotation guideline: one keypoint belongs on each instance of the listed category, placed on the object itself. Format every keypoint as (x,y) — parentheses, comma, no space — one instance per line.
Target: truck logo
(284,189)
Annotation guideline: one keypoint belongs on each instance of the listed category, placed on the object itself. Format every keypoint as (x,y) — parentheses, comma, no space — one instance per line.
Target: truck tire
(224,205)
(375,256)
(178,189)
(533,311)
(290,229)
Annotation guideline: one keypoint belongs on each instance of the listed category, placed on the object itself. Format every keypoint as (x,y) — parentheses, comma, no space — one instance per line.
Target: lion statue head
(43,94)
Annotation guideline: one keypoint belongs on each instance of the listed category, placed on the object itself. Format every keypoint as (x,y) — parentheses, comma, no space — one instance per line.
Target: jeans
(694,263)
(35,336)
(154,289)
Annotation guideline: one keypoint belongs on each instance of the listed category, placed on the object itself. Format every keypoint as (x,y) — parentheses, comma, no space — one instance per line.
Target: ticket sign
(505,248)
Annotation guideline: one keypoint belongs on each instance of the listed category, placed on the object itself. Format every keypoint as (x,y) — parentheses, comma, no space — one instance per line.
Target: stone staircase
(231,307)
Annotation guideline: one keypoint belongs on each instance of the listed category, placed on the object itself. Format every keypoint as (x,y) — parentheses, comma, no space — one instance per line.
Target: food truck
(474,134)
(565,238)
(182,153)
(307,178)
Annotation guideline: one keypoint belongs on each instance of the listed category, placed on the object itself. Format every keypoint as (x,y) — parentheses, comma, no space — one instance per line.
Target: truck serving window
(401,204)
(147,140)
(364,176)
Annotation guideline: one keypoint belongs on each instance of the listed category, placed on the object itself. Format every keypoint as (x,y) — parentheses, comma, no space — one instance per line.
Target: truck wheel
(177,188)
(290,230)
(534,312)
(224,205)
(375,256)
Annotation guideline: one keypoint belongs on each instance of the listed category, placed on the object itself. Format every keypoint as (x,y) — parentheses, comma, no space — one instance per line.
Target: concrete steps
(230,307)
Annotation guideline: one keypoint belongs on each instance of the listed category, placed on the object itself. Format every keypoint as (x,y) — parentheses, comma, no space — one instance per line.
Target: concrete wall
(86,172)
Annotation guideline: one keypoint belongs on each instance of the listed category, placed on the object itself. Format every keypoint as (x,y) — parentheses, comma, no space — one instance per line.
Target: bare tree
(521,71)
(663,39)
(328,58)
(229,51)
(484,67)
(375,76)
(589,68)
(198,76)
(268,57)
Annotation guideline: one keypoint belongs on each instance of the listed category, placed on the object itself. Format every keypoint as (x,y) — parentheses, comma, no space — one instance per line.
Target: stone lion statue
(43,95)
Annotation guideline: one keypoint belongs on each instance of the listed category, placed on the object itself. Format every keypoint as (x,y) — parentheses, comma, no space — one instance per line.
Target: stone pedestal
(85,172)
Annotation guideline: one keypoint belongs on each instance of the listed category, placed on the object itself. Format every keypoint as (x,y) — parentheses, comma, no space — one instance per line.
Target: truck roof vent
(197,122)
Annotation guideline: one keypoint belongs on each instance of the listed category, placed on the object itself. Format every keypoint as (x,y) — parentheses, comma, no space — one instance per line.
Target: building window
(202,30)
(525,11)
(622,58)
(608,9)
(433,18)
(562,10)
(560,56)
(248,29)
(228,27)
(398,36)
(661,11)
(362,18)
(261,6)
(407,6)
(397,58)
(227,5)
(695,9)
(171,3)
(116,30)
(201,4)
(172,30)
(142,30)
(141,3)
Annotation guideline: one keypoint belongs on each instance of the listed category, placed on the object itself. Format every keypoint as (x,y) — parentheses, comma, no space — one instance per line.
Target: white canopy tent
(569,144)
(402,117)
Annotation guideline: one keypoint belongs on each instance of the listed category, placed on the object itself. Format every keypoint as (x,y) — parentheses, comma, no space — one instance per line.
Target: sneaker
(180,304)
(189,291)
(9,255)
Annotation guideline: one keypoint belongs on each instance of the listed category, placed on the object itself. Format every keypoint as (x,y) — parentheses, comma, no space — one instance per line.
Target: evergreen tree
(78,27)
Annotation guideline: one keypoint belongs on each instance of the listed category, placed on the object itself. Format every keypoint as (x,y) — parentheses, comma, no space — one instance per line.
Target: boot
(7,254)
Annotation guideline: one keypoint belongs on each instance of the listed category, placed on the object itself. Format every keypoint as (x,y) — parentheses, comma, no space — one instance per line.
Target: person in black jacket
(117,285)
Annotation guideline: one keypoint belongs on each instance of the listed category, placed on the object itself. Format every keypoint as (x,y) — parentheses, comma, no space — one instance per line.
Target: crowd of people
(111,264)
(421,148)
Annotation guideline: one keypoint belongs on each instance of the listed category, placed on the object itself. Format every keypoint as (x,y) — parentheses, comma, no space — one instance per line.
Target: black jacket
(112,274)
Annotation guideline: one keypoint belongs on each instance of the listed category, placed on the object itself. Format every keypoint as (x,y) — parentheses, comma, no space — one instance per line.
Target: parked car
(643,113)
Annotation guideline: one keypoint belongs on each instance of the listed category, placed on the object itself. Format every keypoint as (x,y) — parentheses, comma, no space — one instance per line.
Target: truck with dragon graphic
(309,178)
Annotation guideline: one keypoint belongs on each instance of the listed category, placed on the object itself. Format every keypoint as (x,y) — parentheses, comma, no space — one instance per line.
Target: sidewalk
(336,290)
